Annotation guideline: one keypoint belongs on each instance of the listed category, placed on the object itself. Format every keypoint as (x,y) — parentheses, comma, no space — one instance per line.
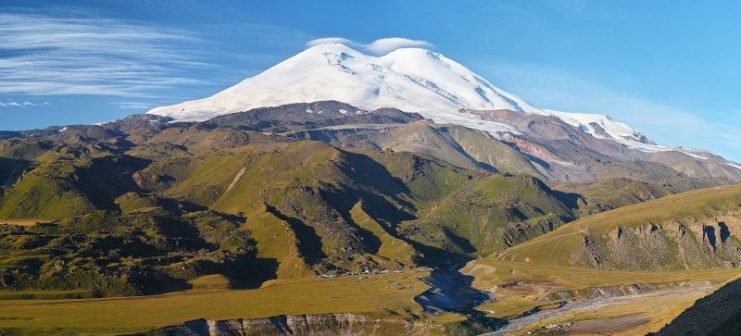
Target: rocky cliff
(303,325)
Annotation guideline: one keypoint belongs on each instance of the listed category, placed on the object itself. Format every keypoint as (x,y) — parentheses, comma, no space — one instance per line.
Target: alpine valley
(339,192)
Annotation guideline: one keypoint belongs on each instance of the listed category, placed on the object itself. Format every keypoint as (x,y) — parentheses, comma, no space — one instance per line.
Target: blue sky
(669,68)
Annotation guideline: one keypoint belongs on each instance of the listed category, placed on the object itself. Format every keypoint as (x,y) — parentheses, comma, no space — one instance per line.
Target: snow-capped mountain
(410,79)
(444,91)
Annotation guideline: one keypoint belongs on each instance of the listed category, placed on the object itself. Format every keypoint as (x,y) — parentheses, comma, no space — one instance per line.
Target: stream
(451,291)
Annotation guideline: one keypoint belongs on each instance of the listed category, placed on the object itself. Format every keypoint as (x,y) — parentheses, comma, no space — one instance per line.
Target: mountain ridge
(414,80)
(411,79)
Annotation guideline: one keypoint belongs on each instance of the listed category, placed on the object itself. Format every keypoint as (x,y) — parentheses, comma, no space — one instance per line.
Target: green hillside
(185,201)
(140,206)
(697,229)
(494,213)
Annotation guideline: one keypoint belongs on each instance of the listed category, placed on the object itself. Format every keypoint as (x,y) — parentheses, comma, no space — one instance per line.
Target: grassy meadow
(385,295)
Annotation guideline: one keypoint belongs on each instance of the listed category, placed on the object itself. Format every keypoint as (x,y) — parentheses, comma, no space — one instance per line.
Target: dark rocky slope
(718,314)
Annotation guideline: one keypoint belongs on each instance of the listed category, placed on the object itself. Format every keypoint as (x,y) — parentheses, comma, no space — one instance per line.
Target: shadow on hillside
(108,178)
(11,170)
(249,272)
(310,244)
(571,200)
(716,314)
(366,171)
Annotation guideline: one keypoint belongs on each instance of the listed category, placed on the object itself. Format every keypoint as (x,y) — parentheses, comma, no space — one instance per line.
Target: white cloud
(57,56)
(324,40)
(8,102)
(134,105)
(380,47)
(386,45)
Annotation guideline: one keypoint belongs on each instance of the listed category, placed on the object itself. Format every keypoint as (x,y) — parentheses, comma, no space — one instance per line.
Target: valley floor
(635,314)
(540,299)
(553,300)
(388,295)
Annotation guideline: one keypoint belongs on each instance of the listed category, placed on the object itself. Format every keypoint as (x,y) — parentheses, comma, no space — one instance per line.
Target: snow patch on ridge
(703,155)
(603,127)
(731,164)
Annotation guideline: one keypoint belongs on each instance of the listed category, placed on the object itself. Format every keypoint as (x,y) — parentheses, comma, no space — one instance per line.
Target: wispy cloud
(42,55)
(379,47)
(134,105)
(670,124)
(13,103)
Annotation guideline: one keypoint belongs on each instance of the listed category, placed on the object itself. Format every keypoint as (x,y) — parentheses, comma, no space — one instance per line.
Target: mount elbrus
(442,90)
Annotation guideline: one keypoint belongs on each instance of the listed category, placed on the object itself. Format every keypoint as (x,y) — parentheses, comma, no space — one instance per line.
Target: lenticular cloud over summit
(387,45)
(378,47)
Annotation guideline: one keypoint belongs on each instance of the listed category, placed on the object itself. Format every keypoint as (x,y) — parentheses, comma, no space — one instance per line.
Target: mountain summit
(411,79)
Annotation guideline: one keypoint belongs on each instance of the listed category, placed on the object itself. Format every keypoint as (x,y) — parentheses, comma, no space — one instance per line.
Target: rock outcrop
(673,245)
(304,325)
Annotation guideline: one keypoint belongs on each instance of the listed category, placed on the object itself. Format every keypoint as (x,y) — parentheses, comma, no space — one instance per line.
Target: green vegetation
(220,221)
(614,193)
(621,247)
(675,232)
(490,272)
(391,247)
(494,213)
(187,202)
(10,294)
(45,192)
(276,241)
(147,209)
(381,295)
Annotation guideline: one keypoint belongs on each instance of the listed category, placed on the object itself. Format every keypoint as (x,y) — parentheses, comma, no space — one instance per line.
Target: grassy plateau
(382,295)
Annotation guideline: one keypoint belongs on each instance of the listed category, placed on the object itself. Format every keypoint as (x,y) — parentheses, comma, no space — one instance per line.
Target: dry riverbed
(628,314)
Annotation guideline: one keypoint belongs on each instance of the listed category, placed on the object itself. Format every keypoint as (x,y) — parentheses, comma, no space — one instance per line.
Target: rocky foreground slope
(716,314)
